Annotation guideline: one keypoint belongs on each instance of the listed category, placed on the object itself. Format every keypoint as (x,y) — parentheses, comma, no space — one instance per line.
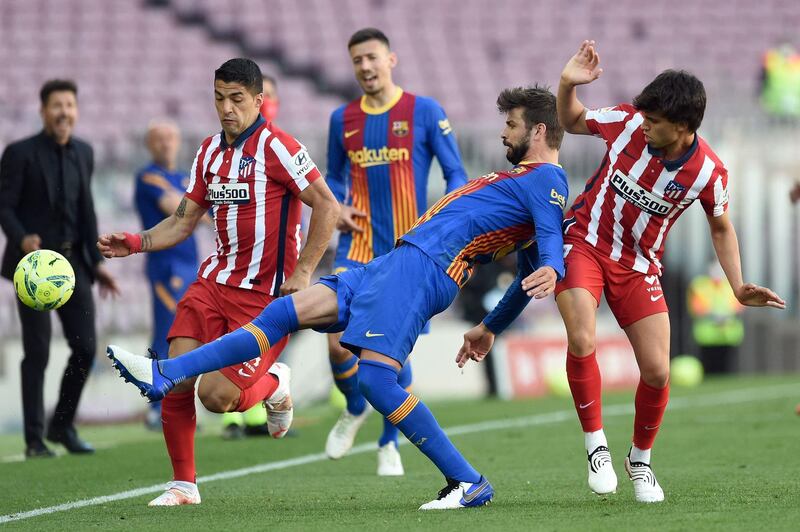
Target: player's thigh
(578,308)
(177,347)
(336,352)
(218,393)
(649,338)
(316,306)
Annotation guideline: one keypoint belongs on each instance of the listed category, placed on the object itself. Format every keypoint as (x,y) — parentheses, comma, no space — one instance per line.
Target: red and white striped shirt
(252,186)
(635,196)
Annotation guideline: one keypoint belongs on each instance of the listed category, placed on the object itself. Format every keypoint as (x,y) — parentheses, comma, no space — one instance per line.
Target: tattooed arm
(170,231)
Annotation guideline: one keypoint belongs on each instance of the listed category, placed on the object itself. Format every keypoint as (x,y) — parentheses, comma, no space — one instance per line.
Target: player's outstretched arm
(726,245)
(478,342)
(170,231)
(324,213)
(582,68)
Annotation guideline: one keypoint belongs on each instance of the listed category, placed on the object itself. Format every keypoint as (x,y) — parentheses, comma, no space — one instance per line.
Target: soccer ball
(686,371)
(44,280)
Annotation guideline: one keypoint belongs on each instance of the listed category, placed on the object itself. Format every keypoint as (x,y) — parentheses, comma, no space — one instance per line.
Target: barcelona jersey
(378,162)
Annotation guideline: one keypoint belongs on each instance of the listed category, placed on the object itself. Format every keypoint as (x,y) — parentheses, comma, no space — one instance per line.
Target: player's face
(372,63)
(660,132)
(59,114)
(516,136)
(163,142)
(236,107)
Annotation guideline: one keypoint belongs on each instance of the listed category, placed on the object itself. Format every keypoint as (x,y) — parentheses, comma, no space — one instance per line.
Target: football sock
(639,455)
(650,406)
(585,384)
(179,423)
(274,322)
(390,431)
(345,376)
(260,390)
(378,383)
(595,439)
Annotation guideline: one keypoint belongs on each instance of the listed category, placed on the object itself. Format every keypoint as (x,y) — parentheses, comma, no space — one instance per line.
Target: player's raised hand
(347,219)
(752,295)
(584,66)
(540,283)
(477,343)
(114,245)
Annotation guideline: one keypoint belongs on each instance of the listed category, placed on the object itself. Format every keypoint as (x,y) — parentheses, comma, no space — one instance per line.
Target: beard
(517,151)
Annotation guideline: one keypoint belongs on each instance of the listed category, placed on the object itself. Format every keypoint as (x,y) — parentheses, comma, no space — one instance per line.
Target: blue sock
(345,376)
(274,322)
(389,430)
(378,383)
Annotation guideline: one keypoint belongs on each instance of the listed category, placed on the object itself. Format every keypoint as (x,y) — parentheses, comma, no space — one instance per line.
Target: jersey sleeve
(337,178)
(547,198)
(151,186)
(608,122)
(714,197)
(196,191)
(444,145)
(515,299)
(289,163)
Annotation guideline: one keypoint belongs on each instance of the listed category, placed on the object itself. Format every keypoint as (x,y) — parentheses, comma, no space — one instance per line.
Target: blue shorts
(385,305)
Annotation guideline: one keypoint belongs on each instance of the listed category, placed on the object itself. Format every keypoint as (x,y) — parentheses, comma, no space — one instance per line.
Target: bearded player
(656,165)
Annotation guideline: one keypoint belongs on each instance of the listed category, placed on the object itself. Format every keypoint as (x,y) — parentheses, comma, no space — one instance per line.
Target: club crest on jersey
(400,128)
(674,190)
(247,167)
(635,194)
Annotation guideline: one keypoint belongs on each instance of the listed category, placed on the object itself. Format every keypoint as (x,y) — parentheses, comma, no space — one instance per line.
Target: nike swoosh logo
(348,134)
(469,497)
(656,298)
(373,335)
(587,405)
(648,427)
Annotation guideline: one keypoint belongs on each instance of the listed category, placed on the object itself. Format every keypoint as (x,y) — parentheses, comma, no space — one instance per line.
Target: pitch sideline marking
(680,403)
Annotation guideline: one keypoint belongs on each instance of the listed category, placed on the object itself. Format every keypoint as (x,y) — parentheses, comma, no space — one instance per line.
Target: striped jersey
(252,187)
(495,215)
(635,196)
(378,162)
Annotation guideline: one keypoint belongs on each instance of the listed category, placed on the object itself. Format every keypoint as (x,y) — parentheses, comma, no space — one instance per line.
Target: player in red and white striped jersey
(655,166)
(253,177)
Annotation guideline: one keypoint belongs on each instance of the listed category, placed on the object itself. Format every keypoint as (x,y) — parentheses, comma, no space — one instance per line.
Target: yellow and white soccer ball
(44,280)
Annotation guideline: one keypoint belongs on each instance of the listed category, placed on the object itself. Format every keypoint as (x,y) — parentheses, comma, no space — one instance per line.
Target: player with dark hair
(380,149)
(383,306)
(253,176)
(656,165)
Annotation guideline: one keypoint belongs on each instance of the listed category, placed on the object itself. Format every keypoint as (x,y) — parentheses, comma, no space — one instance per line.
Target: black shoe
(68,437)
(38,450)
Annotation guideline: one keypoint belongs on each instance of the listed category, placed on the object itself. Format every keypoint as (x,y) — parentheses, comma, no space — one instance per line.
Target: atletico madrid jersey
(252,186)
(378,162)
(635,196)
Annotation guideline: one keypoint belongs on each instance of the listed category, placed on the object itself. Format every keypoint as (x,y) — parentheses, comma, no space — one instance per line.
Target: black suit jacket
(28,183)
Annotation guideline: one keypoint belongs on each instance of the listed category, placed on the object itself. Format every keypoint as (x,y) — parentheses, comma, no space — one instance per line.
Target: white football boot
(280,412)
(389,462)
(461,495)
(645,485)
(602,479)
(343,434)
(178,493)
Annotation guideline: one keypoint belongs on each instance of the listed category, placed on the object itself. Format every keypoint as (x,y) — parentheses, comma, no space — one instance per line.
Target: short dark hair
(676,94)
(368,34)
(241,70)
(57,85)
(539,107)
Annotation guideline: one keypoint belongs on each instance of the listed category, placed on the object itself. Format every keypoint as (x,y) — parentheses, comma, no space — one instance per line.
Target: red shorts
(631,295)
(209,310)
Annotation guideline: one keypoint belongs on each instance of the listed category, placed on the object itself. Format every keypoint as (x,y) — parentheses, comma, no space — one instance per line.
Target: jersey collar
(674,164)
(243,136)
(380,110)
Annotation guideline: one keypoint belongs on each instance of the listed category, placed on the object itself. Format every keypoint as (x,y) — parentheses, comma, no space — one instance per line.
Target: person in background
(780,82)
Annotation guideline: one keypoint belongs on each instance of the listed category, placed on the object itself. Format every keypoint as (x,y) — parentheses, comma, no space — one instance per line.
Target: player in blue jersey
(380,149)
(383,306)
(159,189)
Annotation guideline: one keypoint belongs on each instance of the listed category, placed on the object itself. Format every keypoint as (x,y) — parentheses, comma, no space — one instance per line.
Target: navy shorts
(386,304)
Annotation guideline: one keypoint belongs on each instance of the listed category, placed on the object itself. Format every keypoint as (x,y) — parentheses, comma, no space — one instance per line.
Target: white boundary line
(738,396)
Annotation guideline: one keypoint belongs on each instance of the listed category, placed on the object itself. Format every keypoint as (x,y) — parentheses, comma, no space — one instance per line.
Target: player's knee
(655,376)
(217,401)
(338,354)
(376,382)
(581,343)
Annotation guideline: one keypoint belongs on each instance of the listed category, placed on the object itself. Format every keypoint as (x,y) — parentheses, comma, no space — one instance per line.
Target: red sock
(179,422)
(260,390)
(585,383)
(650,406)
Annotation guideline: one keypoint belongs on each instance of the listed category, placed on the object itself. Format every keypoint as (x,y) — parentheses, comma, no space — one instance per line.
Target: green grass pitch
(727,457)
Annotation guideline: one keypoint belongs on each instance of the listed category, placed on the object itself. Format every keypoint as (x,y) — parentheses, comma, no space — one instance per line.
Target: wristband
(134,242)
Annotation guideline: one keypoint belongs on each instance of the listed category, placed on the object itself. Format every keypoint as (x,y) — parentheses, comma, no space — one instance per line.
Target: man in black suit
(46,203)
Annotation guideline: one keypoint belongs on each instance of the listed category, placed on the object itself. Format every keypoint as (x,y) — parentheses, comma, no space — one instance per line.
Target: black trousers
(77,320)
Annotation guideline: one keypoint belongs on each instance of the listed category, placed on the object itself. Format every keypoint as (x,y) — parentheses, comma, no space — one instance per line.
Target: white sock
(640,455)
(593,440)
